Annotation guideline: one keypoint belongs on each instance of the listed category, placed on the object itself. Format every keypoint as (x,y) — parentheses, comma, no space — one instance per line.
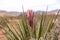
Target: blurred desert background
(14,16)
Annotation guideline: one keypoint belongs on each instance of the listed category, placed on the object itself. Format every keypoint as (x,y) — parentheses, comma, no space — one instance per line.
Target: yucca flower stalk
(30,17)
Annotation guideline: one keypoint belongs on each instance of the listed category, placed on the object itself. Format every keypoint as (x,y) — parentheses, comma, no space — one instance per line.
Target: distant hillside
(54,11)
(14,13)
(49,12)
(5,13)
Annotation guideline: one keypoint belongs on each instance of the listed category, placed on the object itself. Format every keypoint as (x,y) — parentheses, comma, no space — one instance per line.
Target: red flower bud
(30,16)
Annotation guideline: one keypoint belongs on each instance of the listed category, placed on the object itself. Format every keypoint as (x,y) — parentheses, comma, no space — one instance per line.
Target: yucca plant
(21,30)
